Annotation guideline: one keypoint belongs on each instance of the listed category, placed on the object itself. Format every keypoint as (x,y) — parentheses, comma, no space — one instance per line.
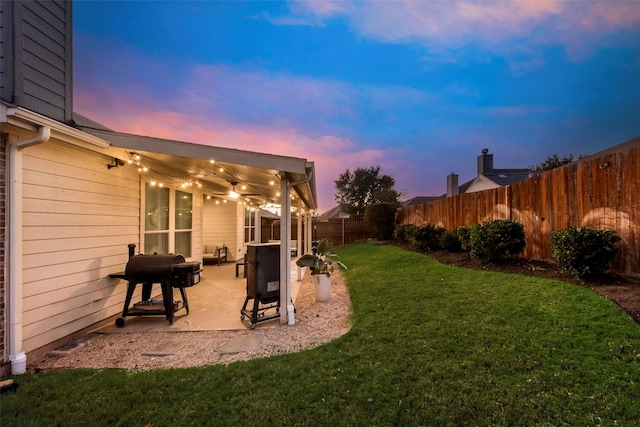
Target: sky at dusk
(416,87)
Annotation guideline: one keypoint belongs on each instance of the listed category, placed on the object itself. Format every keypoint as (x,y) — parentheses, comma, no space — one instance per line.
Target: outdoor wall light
(115,163)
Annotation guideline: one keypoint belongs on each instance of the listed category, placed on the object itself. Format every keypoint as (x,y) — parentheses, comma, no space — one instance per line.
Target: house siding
(78,219)
(196,235)
(481,183)
(36,60)
(239,236)
(219,225)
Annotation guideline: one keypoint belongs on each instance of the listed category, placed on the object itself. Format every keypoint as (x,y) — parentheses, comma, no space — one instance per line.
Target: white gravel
(316,323)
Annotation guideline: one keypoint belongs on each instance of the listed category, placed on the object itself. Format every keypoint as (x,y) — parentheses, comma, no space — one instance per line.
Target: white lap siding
(220,226)
(78,218)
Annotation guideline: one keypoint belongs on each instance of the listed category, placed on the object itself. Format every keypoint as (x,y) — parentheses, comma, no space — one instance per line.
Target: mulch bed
(624,292)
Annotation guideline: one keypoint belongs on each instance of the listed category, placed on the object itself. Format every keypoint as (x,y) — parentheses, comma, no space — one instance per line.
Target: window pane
(157,208)
(247,217)
(156,243)
(184,210)
(183,243)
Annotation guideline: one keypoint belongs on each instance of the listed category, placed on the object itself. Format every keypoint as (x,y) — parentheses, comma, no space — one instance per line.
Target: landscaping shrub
(497,240)
(450,242)
(464,235)
(584,251)
(404,232)
(380,219)
(427,237)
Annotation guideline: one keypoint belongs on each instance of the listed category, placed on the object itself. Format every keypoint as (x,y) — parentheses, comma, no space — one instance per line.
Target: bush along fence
(582,251)
(599,193)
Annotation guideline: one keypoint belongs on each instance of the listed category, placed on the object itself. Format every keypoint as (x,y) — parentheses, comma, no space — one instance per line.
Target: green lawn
(430,345)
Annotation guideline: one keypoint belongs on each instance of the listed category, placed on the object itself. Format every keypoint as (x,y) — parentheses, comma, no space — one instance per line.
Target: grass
(430,345)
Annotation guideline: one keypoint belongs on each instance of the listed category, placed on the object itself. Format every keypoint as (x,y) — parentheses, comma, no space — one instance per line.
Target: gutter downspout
(286,242)
(299,238)
(17,355)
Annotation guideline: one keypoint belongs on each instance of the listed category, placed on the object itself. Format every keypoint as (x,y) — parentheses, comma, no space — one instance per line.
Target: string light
(136,159)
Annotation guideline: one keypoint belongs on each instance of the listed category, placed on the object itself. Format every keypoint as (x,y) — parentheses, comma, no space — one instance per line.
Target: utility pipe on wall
(17,355)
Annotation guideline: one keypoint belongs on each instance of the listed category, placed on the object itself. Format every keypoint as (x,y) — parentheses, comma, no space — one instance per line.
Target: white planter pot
(323,287)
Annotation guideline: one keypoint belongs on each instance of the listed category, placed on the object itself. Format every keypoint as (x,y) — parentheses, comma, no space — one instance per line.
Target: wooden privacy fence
(337,231)
(601,193)
(341,231)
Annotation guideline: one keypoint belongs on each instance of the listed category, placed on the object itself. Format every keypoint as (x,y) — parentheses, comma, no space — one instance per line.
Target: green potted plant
(321,264)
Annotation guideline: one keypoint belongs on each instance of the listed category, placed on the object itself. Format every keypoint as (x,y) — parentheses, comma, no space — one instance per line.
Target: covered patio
(251,179)
(80,195)
(214,305)
(211,334)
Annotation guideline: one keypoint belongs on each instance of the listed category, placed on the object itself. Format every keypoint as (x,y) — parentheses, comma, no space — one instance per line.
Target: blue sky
(417,87)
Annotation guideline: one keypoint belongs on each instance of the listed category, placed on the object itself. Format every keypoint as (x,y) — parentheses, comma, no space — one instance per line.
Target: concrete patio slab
(242,343)
(214,305)
(165,348)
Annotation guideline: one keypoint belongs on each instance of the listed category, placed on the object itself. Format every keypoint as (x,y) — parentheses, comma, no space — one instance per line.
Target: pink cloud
(330,153)
(493,25)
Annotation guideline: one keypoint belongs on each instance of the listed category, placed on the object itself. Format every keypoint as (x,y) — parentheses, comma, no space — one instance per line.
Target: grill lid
(152,268)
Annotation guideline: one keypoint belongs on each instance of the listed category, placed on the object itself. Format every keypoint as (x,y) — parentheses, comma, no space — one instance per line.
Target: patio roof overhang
(257,174)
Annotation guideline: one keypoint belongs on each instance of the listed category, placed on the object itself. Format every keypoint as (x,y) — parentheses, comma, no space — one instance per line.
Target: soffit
(191,163)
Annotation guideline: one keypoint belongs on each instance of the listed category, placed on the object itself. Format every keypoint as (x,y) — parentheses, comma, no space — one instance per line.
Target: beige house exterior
(76,194)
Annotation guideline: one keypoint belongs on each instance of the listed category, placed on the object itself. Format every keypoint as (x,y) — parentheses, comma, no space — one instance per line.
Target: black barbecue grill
(170,271)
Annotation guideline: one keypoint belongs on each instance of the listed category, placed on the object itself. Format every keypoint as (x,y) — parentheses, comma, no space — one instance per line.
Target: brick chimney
(485,162)
(452,185)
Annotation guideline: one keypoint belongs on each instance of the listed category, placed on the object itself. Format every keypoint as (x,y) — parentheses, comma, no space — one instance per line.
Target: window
(168,225)
(156,236)
(184,215)
(249,225)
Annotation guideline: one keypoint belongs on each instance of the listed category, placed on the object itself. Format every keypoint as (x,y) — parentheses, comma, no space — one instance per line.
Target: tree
(362,187)
(553,162)
(379,218)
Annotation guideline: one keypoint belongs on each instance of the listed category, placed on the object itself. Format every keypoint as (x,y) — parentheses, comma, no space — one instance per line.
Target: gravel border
(316,324)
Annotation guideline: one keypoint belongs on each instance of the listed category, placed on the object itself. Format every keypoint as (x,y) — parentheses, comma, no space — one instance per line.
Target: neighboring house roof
(333,213)
(265,214)
(504,177)
(418,200)
(490,177)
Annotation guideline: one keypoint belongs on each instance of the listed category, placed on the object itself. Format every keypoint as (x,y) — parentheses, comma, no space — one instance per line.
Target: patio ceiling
(257,175)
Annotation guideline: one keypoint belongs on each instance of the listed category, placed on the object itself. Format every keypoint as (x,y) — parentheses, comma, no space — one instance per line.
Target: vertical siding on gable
(40,70)
(6,57)
(78,219)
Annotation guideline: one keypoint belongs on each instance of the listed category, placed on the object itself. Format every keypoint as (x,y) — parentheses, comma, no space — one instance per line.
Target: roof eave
(199,151)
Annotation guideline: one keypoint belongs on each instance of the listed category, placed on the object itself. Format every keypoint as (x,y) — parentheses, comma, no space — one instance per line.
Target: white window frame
(172,230)
(247,228)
